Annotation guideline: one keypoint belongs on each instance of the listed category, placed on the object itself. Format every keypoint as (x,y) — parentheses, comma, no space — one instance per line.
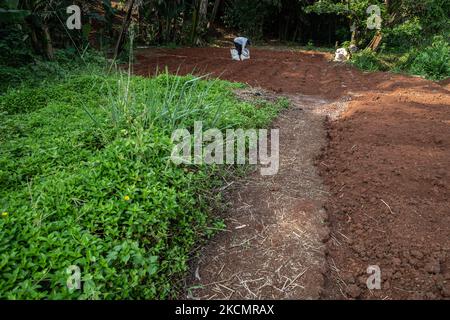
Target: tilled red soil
(295,72)
(386,165)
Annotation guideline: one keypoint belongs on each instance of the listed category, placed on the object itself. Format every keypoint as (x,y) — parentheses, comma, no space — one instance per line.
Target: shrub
(432,62)
(404,36)
(14,47)
(367,60)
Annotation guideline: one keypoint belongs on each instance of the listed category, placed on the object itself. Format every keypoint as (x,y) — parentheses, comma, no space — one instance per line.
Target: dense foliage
(30,27)
(415,35)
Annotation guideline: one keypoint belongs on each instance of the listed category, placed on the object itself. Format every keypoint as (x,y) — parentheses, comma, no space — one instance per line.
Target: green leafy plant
(433,62)
(404,36)
(367,60)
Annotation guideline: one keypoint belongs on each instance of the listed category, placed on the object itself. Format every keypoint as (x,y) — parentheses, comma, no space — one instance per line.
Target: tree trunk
(37,47)
(214,13)
(352,24)
(109,16)
(194,22)
(125,24)
(203,10)
(198,19)
(48,46)
(376,41)
(202,16)
(294,37)
(388,6)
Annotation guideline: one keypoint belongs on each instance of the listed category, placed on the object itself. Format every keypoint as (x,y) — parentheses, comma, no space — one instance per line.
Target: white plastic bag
(245,54)
(341,55)
(235,55)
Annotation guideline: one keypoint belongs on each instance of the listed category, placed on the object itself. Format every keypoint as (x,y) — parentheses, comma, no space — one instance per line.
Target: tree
(10,14)
(199,19)
(356,13)
(214,13)
(123,31)
(42,12)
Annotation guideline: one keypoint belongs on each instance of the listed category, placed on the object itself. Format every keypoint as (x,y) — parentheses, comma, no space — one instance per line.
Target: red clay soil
(387,165)
(307,73)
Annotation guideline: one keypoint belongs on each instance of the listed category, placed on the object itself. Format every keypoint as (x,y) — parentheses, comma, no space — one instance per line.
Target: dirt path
(382,177)
(273,246)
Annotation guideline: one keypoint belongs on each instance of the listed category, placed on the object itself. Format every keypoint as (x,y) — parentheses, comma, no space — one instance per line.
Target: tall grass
(169,102)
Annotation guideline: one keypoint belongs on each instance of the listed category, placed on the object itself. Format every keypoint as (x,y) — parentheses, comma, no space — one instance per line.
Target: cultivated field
(364,180)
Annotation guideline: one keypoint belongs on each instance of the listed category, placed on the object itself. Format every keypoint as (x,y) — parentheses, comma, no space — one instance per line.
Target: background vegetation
(411,29)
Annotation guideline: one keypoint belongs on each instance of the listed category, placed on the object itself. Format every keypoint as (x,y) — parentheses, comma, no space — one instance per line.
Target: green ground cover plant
(86,180)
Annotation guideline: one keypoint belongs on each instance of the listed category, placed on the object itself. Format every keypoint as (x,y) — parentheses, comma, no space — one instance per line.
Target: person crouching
(241,43)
